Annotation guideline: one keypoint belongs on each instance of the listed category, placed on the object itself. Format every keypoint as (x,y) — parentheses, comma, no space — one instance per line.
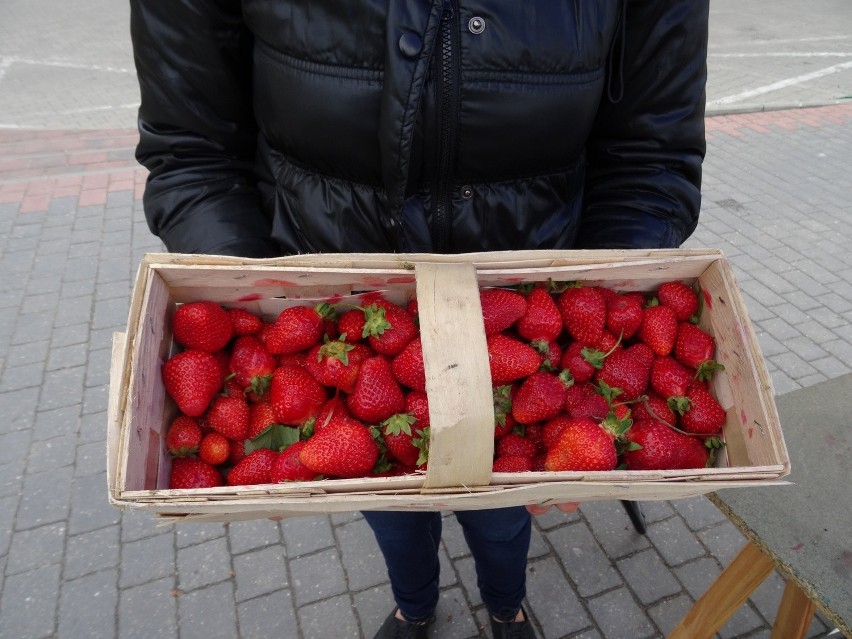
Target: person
(443,126)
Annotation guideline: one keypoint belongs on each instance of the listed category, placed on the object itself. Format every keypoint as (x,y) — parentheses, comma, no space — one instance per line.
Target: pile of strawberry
(584,378)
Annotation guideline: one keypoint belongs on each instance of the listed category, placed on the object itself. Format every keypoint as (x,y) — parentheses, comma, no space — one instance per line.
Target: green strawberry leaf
(275,437)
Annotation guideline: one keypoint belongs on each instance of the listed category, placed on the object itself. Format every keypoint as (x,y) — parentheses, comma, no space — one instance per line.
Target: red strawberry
(388,327)
(624,315)
(183,436)
(245,322)
(417,405)
(254,468)
(252,365)
(694,454)
(542,320)
(192,378)
(582,361)
(510,359)
(261,415)
(582,445)
(583,313)
(679,297)
(584,400)
(229,416)
(295,395)
(203,326)
(693,346)
(535,433)
(408,366)
(669,378)
(191,472)
(550,354)
(540,396)
(377,394)
(501,308)
(655,446)
(343,449)
(503,420)
(287,466)
(335,363)
(333,409)
(515,444)
(400,435)
(704,415)
(553,428)
(238,451)
(654,407)
(297,328)
(512,464)
(214,449)
(658,329)
(628,370)
(350,325)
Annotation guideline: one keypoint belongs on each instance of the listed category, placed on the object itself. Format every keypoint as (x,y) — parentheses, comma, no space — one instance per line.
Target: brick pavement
(776,200)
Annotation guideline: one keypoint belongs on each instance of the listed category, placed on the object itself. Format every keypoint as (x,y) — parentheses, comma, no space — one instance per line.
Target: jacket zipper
(448,98)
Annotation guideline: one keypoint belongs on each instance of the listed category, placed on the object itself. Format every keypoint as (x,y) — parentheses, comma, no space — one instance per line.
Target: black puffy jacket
(273,127)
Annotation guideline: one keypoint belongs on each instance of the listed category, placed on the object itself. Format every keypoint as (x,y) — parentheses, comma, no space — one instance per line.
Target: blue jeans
(499,540)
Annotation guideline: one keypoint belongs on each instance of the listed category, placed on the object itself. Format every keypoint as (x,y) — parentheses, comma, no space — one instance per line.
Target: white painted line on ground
(6,61)
(789,54)
(781,84)
(794,40)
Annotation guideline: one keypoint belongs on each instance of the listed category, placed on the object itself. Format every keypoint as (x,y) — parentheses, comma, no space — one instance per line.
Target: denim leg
(499,540)
(409,543)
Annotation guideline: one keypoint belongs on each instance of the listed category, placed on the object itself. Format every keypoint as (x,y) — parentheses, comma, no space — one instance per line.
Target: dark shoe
(394,628)
(513,629)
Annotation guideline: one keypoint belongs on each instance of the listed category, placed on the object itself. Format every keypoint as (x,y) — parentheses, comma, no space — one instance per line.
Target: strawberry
(542,320)
(695,347)
(203,326)
(658,329)
(627,370)
(510,359)
(680,298)
(350,325)
(550,354)
(335,363)
(582,361)
(583,311)
(408,366)
(501,308)
(654,407)
(287,467)
(515,444)
(512,464)
(624,315)
(229,416)
(297,328)
(539,397)
(295,395)
(704,414)
(584,400)
(582,445)
(655,446)
(503,420)
(377,394)
(261,415)
(552,428)
(417,405)
(333,409)
(191,472)
(535,433)
(388,327)
(342,449)
(238,451)
(214,449)
(244,322)
(254,468)
(399,435)
(252,365)
(669,378)
(192,378)
(183,436)
(694,454)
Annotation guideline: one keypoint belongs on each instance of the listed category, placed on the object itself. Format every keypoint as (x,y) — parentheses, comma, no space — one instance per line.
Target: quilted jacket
(273,127)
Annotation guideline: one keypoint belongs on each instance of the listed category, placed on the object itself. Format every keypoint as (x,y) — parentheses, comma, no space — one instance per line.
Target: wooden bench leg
(730,591)
(795,613)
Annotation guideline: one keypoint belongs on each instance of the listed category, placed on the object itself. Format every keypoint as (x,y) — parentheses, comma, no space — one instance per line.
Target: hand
(566,507)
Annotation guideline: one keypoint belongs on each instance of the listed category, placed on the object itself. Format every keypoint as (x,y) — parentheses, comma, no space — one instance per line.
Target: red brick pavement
(37,166)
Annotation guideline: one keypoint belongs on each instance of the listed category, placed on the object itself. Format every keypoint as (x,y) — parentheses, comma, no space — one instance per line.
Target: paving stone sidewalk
(776,200)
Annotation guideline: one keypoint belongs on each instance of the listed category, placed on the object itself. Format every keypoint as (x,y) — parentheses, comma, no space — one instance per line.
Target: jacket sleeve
(645,152)
(197,134)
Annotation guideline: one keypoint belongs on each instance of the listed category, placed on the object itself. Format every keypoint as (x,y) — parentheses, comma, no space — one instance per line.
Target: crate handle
(458,378)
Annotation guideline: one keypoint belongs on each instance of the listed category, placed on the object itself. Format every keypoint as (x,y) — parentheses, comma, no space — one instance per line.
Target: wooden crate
(458,379)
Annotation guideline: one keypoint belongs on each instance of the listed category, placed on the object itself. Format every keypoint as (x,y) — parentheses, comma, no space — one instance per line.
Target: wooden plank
(795,613)
(115,407)
(730,591)
(458,379)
